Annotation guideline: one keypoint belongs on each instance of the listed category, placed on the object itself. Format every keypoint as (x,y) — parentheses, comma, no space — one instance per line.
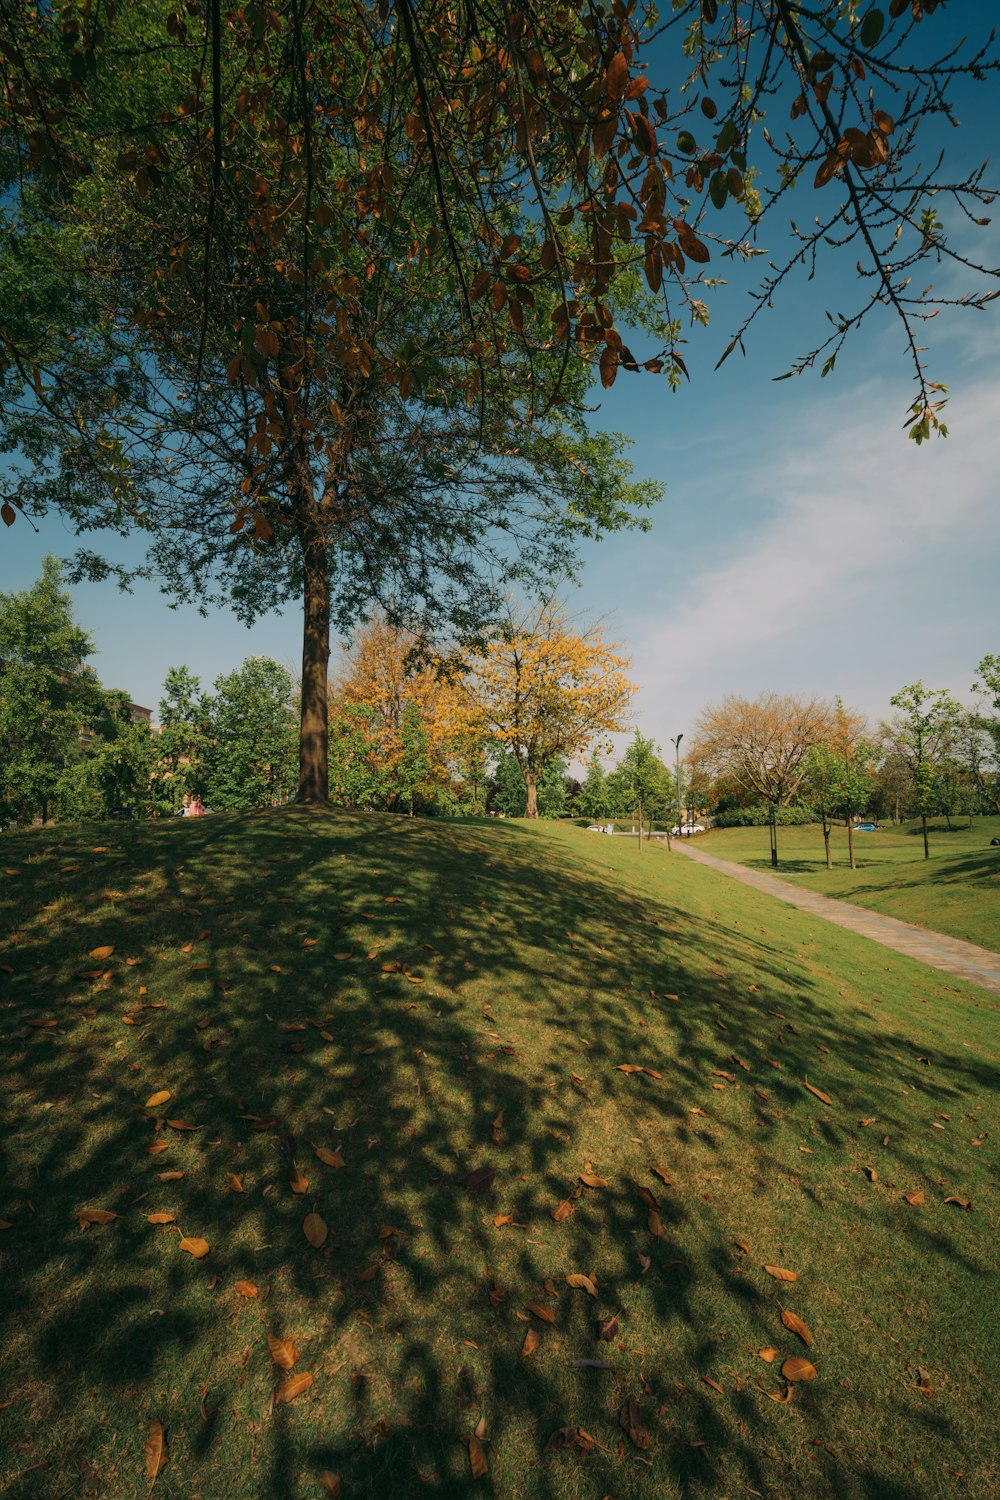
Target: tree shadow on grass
(430,1003)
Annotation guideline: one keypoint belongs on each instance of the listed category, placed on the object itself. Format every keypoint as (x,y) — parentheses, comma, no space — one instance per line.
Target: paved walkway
(965,960)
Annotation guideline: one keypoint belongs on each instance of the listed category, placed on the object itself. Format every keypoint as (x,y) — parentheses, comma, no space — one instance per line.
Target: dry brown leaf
(328,1157)
(627,1068)
(590,1180)
(780,1274)
(155,1450)
(197,1248)
(707,1380)
(479,1179)
(581,1282)
(499,1220)
(163,1218)
(315,1230)
(477,1458)
(607,1329)
(662,1173)
(88,1216)
(915,1199)
(794,1324)
(642,1261)
(562,1211)
(783,1396)
(532,1339)
(160,1097)
(370,1272)
(246,1289)
(105,951)
(235,1182)
(871,1174)
(182,1125)
(824,1098)
(631,1419)
(655,1224)
(331,1484)
(298,1183)
(769,1355)
(545,1313)
(283,1351)
(170,1176)
(798,1368)
(959,1202)
(293,1386)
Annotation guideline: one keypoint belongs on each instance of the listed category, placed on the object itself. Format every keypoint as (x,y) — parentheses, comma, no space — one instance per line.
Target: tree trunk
(850,840)
(531,787)
(639,808)
(826,844)
(314,743)
(923,825)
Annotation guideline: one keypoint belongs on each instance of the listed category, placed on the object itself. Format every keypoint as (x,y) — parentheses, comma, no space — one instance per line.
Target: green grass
(956,890)
(547,958)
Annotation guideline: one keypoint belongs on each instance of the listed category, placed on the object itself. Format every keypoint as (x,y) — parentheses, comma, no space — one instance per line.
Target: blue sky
(805,544)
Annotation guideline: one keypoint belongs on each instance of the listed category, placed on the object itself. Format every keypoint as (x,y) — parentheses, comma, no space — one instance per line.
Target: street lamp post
(677,779)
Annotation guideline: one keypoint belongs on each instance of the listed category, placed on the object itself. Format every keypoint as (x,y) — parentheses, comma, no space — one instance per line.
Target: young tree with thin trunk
(546,691)
(923,730)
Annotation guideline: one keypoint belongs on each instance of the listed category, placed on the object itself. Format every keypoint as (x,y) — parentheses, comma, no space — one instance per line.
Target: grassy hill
(956,890)
(537,1053)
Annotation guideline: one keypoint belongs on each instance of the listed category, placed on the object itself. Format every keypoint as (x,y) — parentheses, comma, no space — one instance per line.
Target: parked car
(688,828)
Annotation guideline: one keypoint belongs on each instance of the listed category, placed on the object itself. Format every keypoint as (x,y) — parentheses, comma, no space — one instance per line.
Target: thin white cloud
(851,507)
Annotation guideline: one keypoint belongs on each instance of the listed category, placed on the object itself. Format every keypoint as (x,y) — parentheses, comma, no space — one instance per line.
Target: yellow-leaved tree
(403,690)
(544,689)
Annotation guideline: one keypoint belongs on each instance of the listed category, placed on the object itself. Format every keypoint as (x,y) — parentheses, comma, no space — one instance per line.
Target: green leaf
(687,143)
(718,189)
(871,28)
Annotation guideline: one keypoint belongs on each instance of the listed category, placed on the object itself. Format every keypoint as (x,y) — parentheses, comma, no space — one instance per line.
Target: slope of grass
(956,890)
(432,1004)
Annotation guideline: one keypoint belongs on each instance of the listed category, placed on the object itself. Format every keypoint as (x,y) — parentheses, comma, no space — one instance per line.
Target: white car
(689,828)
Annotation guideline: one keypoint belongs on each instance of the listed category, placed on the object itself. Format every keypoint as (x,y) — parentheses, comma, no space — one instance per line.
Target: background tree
(413,764)
(358,777)
(251,723)
(314,294)
(594,798)
(508,794)
(47,694)
(761,746)
(545,691)
(923,731)
(116,774)
(648,780)
(821,785)
(987,690)
(182,743)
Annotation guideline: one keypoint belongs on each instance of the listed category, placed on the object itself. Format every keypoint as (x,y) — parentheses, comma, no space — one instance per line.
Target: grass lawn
(446,1010)
(956,891)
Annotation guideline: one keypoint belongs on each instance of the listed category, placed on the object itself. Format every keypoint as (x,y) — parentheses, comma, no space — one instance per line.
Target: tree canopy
(314,296)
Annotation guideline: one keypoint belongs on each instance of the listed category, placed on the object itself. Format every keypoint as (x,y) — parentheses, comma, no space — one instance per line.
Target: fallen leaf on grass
(196,1247)
(170,1176)
(582,1283)
(643,1262)
(331,1484)
(871,1174)
(246,1289)
(824,1098)
(545,1313)
(631,1419)
(163,1218)
(780,1274)
(182,1125)
(155,1450)
(655,1224)
(571,1437)
(160,1097)
(959,1202)
(607,1329)
(370,1272)
(89,1216)
(915,1199)
(479,1179)
(562,1211)
(532,1339)
(783,1396)
(105,951)
(283,1351)
(798,1368)
(315,1230)
(235,1182)
(769,1355)
(924,1382)
(477,1458)
(298,1183)
(794,1324)
(707,1380)
(662,1173)
(293,1386)
(329,1158)
(590,1180)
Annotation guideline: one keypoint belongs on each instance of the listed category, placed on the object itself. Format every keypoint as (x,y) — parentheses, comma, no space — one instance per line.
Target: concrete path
(965,960)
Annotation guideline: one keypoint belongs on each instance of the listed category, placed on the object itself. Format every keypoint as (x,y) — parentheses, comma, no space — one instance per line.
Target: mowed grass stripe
(433,1000)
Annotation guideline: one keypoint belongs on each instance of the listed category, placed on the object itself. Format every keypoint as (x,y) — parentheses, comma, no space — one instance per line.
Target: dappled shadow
(426,1002)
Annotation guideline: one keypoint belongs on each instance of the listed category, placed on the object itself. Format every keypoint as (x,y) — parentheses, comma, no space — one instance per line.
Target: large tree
(314,294)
